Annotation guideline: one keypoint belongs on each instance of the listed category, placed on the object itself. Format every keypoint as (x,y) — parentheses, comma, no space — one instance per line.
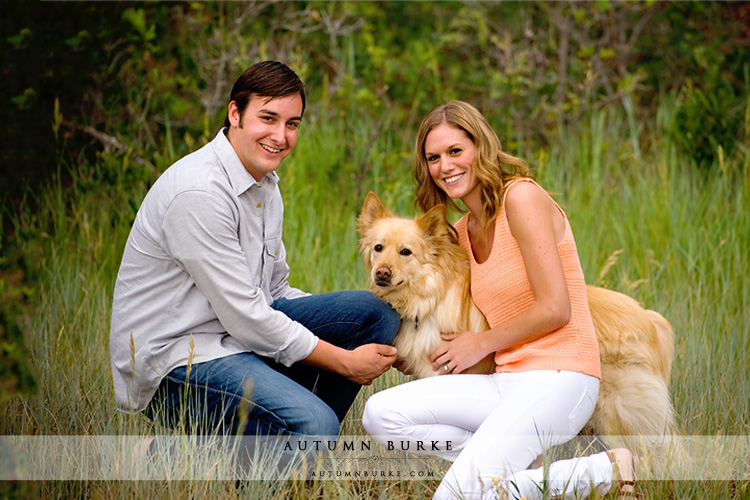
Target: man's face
(265,133)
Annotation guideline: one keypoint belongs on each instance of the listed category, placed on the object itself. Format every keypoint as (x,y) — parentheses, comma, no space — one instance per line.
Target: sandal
(623,470)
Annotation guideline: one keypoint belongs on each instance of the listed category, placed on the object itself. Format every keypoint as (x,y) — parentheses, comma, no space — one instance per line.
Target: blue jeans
(251,395)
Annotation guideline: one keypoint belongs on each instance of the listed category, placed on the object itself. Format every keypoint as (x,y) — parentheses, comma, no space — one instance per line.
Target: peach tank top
(501,290)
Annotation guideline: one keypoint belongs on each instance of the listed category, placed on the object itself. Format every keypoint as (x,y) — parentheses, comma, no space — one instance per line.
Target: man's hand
(367,362)
(362,365)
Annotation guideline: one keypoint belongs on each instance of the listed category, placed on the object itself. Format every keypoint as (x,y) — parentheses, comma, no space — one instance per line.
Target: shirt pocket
(270,254)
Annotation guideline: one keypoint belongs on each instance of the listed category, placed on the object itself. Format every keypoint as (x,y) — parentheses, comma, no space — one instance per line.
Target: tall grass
(655,228)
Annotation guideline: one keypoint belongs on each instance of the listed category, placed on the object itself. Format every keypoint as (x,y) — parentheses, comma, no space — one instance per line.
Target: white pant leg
(536,410)
(442,408)
(569,479)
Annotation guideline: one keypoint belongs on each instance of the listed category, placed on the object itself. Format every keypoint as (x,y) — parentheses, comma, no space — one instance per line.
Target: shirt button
(260,205)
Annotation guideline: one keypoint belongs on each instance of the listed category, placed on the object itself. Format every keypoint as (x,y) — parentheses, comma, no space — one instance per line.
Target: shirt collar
(239,178)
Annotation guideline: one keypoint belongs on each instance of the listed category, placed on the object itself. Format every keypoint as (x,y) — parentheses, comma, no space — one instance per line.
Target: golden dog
(418,267)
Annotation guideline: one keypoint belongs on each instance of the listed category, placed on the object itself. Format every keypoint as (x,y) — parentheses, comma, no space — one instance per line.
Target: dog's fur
(418,267)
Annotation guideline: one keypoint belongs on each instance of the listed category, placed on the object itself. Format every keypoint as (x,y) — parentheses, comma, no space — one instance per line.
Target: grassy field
(646,223)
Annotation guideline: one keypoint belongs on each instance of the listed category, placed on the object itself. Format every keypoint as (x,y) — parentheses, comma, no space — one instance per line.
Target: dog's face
(399,253)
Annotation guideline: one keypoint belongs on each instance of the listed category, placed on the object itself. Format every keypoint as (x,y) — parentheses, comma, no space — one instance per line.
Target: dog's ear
(372,210)
(434,223)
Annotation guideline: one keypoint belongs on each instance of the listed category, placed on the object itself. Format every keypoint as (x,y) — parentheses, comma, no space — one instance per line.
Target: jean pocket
(582,412)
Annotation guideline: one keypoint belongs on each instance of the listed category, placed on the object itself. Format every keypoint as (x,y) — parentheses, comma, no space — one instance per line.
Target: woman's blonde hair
(492,166)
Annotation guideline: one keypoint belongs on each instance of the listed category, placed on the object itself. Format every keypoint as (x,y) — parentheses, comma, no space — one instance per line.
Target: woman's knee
(377,416)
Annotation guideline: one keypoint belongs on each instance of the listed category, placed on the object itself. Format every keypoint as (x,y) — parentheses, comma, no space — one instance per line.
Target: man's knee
(319,420)
(384,319)
(309,419)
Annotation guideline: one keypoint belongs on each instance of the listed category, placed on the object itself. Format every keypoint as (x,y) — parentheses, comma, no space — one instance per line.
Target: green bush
(614,104)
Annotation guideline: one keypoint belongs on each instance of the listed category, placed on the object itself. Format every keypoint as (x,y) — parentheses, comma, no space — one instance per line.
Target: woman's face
(449,153)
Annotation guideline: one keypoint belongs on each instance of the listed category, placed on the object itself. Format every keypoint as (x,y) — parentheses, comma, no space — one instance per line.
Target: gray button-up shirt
(203,262)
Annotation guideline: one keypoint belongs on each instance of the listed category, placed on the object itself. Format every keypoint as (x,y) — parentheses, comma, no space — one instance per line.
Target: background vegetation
(636,114)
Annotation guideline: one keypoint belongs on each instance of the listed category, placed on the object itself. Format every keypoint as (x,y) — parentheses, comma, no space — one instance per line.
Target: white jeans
(496,425)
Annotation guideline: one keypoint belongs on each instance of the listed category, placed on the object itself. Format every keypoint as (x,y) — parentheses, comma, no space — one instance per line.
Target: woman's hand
(462,351)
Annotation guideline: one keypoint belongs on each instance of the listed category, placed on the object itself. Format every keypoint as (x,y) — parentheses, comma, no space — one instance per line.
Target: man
(205,327)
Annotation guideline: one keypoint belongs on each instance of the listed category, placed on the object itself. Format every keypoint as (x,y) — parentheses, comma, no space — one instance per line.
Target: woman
(526,278)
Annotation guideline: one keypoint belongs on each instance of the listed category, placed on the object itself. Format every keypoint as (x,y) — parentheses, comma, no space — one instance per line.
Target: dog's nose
(383,273)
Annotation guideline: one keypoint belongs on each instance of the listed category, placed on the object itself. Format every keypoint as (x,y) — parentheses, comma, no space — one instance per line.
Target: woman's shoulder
(523,190)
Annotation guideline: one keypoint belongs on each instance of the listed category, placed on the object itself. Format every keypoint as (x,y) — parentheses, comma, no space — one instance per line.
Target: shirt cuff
(298,347)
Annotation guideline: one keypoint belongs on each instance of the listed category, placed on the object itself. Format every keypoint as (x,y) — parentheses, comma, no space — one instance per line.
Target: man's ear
(372,210)
(233,113)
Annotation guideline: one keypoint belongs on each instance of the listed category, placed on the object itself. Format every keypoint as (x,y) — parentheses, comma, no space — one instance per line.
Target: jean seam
(358,325)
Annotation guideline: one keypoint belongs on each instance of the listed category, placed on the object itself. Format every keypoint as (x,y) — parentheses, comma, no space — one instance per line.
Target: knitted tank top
(501,290)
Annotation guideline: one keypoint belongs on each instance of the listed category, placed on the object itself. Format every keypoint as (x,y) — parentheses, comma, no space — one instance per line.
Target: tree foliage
(126,88)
